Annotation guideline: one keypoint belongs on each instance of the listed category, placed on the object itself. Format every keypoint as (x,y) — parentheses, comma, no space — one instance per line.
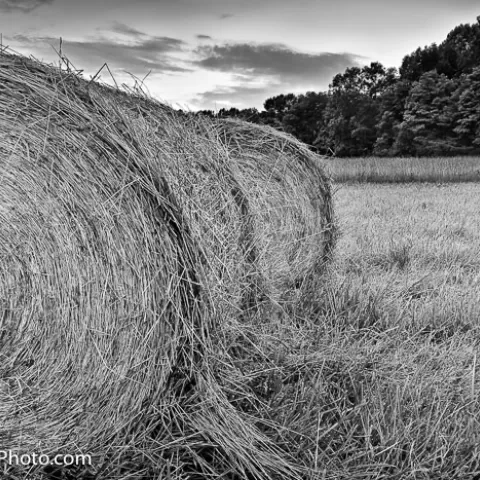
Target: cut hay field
(401,170)
(395,393)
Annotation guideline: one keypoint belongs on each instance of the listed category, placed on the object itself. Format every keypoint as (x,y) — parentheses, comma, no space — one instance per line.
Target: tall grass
(402,170)
(380,380)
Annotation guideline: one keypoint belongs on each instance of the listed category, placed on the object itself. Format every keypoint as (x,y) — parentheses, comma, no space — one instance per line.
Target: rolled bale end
(290,204)
(99,290)
(120,246)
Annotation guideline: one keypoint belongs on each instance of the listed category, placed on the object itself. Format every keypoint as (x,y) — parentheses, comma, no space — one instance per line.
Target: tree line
(430,106)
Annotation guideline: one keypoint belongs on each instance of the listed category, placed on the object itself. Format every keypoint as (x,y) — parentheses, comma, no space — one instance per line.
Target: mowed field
(396,323)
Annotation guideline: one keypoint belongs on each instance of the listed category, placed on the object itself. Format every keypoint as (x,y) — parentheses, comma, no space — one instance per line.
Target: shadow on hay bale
(129,235)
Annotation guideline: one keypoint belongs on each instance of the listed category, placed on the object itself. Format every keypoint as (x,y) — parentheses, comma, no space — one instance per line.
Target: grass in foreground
(380,378)
(401,170)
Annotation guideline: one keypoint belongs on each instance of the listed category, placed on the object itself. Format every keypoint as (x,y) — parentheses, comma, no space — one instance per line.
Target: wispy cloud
(248,73)
(259,71)
(138,54)
(24,6)
(127,30)
(274,60)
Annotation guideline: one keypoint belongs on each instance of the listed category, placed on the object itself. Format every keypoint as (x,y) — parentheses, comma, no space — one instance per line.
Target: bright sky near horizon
(222,53)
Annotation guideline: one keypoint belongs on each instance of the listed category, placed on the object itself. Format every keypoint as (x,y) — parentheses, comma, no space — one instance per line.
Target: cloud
(260,71)
(139,56)
(204,37)
(274,60)
(126,30)
(23,6)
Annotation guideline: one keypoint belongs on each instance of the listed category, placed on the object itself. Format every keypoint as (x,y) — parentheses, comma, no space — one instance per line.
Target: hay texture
(290,203)
(129,235)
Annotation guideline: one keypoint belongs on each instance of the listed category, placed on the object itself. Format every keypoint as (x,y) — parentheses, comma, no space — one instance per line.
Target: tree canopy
(429,106)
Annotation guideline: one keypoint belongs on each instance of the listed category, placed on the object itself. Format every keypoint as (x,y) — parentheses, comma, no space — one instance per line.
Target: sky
(212,54)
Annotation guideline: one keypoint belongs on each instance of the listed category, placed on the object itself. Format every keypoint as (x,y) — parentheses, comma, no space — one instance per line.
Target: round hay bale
(100,290)
(290,200)
(130,235)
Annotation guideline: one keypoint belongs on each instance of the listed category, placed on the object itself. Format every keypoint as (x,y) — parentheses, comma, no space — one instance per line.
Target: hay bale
(100,292)
(129,235)
(290,202)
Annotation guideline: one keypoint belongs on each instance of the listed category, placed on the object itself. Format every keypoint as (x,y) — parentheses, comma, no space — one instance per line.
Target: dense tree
(249,114)
(428,123)
(304,119)
(370,80)
(392,108)
(276,108)
(353,110)
(460,52)
(280,104)
(349,124)
(422,60)
(230,112)
(431,107)
(467,117)
(206,113)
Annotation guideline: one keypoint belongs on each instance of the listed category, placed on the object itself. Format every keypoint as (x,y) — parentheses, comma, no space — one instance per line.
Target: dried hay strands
(290,201)
(129,235)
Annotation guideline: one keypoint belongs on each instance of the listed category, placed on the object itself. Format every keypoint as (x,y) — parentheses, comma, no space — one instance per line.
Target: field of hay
(397,327)
(182,300)
(400,170)
(380,377)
